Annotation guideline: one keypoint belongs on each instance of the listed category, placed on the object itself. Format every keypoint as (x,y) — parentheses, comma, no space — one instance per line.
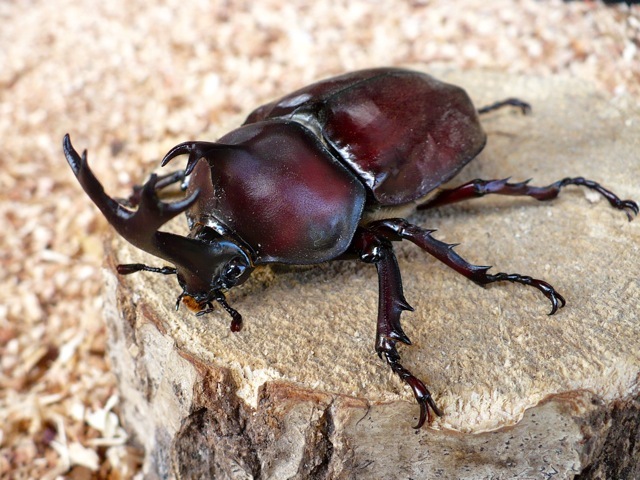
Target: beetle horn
(196,151)
(139,227)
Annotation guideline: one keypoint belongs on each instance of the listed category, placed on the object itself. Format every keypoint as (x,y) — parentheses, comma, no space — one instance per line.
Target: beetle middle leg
(375,248)
(399,229)
(479,188)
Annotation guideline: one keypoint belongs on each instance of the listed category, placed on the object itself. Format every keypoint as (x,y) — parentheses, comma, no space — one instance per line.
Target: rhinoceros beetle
(320,175)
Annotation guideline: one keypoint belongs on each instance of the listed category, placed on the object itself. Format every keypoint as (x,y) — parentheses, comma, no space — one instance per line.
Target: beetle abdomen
(404,133)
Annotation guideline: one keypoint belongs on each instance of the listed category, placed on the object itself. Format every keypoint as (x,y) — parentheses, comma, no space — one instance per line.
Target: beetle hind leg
(479,188)
(376,249)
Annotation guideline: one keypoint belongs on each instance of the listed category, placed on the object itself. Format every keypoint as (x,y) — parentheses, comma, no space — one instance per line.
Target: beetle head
(222,264)
(207,263)
(218,264)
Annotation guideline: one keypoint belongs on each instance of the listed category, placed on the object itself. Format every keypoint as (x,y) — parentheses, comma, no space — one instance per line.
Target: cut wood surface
(300,393)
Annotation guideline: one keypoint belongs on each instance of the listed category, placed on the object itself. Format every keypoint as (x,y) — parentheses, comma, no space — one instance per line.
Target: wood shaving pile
(128,80)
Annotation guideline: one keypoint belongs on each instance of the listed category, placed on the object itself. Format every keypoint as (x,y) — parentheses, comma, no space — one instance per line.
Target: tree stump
(300,393)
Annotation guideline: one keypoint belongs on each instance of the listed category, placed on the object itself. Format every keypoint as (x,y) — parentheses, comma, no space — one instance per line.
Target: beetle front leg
(400,229)
(376,249)
(164,181)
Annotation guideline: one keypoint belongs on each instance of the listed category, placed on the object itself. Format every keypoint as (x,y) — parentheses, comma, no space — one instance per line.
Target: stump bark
(300,393)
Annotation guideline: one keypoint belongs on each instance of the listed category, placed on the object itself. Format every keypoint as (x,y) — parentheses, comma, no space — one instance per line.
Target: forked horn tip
(180,149)
(73,159)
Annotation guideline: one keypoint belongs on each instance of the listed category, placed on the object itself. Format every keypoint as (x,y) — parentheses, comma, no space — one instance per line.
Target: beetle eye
(233,272)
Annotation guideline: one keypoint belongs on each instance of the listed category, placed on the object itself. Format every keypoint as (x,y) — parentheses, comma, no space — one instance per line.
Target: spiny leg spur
(376,249)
